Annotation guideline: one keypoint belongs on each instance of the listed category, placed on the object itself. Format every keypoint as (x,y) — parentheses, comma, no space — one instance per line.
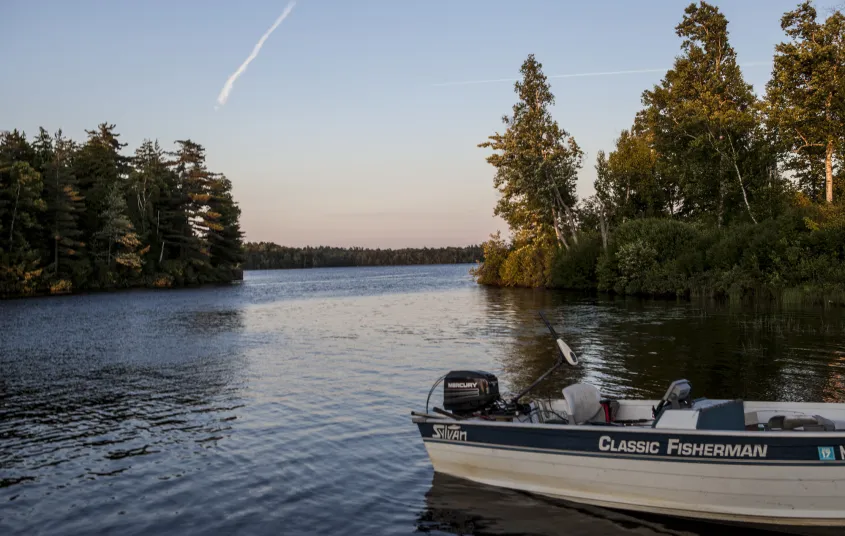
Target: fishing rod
(565,355)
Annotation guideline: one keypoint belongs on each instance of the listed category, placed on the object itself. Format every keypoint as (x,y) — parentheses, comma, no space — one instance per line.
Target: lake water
(280,405)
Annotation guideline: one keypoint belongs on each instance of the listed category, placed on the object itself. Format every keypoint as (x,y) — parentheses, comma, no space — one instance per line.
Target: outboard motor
(468,391)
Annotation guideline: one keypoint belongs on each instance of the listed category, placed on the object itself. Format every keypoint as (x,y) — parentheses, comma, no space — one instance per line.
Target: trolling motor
(474,392)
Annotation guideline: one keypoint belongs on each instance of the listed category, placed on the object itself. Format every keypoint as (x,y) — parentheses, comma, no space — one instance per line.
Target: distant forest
(77,216)
(270,256)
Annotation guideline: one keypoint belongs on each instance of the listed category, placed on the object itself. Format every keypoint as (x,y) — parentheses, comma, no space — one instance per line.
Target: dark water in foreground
(281,405)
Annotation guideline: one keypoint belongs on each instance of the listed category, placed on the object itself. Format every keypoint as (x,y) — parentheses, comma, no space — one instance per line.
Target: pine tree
(189,204)
(98,166)
(224,233)
(20,208)
(118,234)
(65,204)
(536,162)
(150,184)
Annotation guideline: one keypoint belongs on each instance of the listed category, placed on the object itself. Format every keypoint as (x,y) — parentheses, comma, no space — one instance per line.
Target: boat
(769,464)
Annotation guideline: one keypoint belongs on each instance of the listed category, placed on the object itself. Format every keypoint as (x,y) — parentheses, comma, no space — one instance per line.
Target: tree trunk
(571,220)
(828,172)
(14,215)
(744,197)
(721,206)
(568,215)
(603,229)
(56,224)
(739,178)
(561,238)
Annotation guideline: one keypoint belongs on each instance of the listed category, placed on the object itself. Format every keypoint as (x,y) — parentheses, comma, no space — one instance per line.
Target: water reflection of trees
(529,348)
(635,347)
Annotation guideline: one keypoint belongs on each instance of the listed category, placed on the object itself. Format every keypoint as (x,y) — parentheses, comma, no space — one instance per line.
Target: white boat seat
(583,402)
(803,422)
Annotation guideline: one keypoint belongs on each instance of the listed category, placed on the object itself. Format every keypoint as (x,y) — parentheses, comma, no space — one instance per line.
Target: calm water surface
(281,405)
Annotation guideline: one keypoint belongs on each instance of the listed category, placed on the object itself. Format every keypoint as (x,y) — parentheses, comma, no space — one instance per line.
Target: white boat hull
(779,486)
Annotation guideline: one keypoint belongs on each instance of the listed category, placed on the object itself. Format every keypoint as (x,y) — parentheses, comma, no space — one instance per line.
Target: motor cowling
(467,391)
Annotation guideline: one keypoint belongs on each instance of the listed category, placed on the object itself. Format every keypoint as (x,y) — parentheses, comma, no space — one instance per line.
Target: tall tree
(806,95)
(628,182)
(98,166)
(20,208)
(707,122)
(64,205)
(152,182)
(118,233)
(536,161)
(224,233)
(191,198)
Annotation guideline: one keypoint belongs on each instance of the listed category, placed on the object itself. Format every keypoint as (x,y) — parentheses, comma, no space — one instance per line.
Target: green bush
(575,268)
(651,256)
(495,252)
(799,253)
(527,266)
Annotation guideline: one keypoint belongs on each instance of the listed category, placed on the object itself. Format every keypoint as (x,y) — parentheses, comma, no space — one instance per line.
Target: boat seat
(815,423)
(583,402)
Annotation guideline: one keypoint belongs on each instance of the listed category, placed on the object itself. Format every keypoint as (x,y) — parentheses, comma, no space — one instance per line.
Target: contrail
(227,87)
(580,75)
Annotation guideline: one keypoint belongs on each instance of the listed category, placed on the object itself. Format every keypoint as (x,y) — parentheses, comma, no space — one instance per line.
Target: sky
(352,125)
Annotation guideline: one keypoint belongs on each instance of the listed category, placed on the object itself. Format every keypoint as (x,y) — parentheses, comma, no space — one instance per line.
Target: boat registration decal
(452,432)
(827,453)
(675,447)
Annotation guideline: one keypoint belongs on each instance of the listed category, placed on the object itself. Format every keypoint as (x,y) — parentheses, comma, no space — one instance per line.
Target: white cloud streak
(227,87)
(581,75)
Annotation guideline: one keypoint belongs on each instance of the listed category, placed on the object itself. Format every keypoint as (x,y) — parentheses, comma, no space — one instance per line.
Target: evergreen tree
(98,166)
(806,97)
(151,183)
(118,234)
(20,207)
(189,203)
(536,162)
(66,254)
(224,232)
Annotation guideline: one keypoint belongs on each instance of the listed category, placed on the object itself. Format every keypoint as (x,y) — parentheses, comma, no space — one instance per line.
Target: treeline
(77,216)
(270,256)
(712,190)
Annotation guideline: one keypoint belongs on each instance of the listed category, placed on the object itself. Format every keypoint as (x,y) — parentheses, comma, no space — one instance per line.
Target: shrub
(575,268)
(651,256)
(495,252)
(801,252)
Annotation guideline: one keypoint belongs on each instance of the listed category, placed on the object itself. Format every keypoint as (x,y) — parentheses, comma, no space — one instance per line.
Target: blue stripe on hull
(669,446)
(640,457)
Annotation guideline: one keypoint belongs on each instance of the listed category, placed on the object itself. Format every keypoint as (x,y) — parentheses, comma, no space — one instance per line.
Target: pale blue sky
(338,133)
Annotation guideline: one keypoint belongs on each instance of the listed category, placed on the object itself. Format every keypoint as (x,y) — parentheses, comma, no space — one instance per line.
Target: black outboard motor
(468,391)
